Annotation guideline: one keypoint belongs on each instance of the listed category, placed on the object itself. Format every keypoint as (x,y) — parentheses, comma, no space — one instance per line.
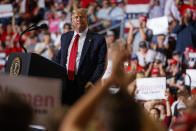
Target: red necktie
(72,58)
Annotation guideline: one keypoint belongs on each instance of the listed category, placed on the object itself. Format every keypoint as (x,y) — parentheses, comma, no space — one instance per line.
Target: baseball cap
(155,71)
(175,52)
(173,61)
(110,32)
(143,44)
(133,57)
(189,49)
(143,18)
(181,105)
(113,1)
(140,68)
(49,16)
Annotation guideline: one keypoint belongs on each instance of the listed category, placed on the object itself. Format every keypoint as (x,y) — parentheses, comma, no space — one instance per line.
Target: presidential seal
(15,67)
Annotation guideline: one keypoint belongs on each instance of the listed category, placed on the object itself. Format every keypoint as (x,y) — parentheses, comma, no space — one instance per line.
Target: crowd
(139,55)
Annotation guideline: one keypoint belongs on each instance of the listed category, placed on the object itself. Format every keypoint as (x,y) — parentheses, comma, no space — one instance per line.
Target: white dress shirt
(80,47)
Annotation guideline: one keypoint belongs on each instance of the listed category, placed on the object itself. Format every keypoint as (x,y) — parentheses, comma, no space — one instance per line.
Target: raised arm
(130,36)
(179,26)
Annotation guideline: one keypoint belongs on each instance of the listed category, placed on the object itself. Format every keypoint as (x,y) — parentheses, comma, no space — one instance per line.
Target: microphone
(42,26)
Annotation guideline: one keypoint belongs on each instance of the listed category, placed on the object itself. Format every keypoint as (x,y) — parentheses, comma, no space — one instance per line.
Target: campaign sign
(190,78)
(151,88)
(44,94)
(192,59)
(158,25)
(2,59)
(6,10)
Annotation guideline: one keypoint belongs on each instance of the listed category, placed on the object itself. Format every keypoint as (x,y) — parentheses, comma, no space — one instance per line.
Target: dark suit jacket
(91,65)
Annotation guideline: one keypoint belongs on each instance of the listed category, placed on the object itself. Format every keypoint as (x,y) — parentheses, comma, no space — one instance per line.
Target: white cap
(181,105)
(109,32)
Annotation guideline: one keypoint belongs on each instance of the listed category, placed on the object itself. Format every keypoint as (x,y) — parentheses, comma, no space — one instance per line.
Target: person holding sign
(83,54)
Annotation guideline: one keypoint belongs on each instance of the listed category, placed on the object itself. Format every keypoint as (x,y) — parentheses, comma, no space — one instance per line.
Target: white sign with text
(158,25)
(151,88)
(192,59)
(2,58)
(6,10)
(44,94)
(190,78)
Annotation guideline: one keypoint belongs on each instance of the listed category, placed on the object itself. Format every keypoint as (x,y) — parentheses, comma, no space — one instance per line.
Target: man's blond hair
(80,10)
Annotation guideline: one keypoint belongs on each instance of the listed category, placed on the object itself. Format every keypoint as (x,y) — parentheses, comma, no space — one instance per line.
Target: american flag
(2,59)
(134,9)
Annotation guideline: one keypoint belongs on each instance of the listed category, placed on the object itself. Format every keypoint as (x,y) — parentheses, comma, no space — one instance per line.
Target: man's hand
(131,25)
(118,75)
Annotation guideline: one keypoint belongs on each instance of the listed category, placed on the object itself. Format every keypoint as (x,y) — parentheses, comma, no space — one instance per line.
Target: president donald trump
(83,54)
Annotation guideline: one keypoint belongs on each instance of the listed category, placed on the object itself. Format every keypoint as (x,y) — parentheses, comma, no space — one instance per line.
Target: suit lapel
(67,43)
(87,42)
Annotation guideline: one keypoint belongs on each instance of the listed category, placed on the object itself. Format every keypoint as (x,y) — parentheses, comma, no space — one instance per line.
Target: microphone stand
(20,42)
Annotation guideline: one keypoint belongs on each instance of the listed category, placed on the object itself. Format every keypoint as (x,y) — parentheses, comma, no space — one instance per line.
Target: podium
(31,64)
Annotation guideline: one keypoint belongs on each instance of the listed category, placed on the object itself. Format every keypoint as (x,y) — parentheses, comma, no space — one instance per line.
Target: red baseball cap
(155,71)
(140,68)
(173,61)
(189,49)
(143,18)
(113,1)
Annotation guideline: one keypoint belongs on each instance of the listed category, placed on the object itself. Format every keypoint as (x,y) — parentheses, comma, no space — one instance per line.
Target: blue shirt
(186,35)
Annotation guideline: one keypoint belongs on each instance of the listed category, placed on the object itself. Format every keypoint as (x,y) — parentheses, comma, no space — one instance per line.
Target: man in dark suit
(83,54)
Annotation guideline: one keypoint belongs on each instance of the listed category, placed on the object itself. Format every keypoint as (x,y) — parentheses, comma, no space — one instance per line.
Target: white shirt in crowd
(104,13)
(150,57)
(116,14)
(61,24)
(170,8)
(80,47)
(45,52)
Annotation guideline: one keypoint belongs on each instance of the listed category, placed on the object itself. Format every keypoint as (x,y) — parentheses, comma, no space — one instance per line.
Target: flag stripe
(137,8)
(138,1)
(134,9)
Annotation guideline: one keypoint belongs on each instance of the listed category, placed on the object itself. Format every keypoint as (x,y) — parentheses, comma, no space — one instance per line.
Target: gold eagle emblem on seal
(15,67)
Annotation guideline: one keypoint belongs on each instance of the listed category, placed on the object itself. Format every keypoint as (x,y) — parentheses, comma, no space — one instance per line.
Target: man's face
(143,50)
(188,15)
(176,57)
(79,21)
(110,39)
(161,39)
(46,38)
(105,3)
(66,29)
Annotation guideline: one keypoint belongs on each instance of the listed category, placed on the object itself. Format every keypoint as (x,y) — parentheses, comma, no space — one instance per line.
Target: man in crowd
(83,55)
(135,36)
(145,55)
(185,30)
(46,47)
(103,14)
